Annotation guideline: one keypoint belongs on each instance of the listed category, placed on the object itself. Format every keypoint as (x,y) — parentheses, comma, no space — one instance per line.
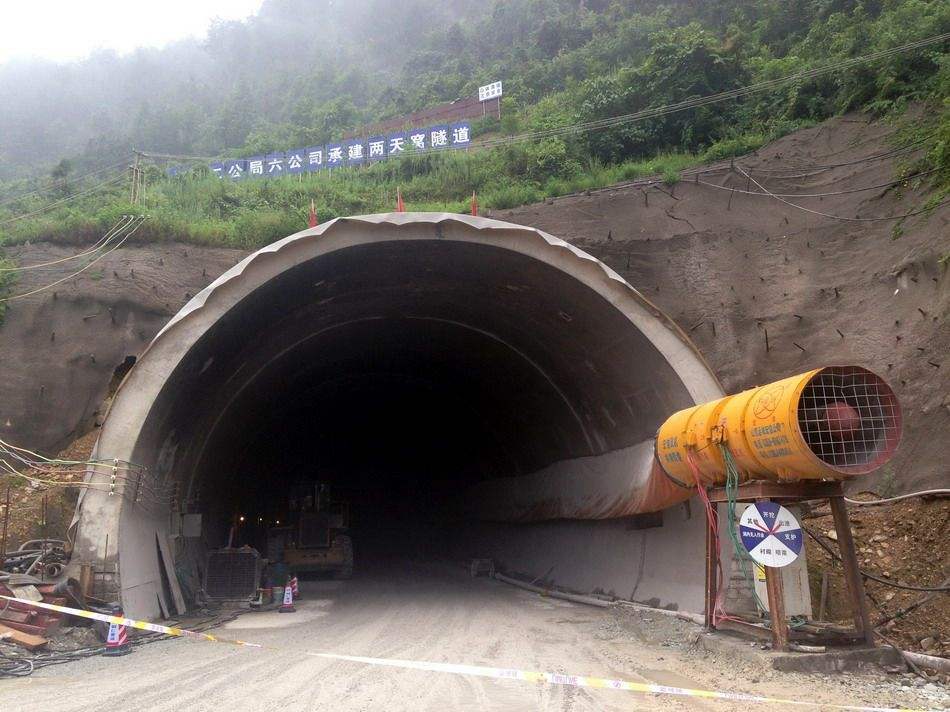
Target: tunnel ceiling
(376,356)
(450,348)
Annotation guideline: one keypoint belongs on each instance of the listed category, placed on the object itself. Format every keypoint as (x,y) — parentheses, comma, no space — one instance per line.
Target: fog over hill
(304,71)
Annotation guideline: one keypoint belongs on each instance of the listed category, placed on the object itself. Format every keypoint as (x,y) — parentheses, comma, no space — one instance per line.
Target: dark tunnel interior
(400,373)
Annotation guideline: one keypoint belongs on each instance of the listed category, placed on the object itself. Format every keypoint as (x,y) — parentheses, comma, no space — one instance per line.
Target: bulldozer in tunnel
(315,537)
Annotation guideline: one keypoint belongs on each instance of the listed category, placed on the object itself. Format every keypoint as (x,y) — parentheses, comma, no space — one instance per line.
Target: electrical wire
(14,198)
(715,98)
(873,502)
(168,156)
(839,217)
(23,666)
(100,243)
(817,195)
(873,577)
(63,201)
(79,271)
(712,522)
(909,148)
(7,446)
(732,487)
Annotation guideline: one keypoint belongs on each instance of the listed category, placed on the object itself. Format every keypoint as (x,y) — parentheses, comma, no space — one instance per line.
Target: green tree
(60,173)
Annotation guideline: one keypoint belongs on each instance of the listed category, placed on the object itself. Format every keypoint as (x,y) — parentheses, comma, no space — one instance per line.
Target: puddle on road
(307,610)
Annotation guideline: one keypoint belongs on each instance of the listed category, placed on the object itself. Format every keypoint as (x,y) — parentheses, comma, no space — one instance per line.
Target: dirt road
(433,613)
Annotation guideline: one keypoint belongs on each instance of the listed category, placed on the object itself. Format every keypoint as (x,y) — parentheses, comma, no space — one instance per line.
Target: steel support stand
(852,575)
(712,583)
(790,493)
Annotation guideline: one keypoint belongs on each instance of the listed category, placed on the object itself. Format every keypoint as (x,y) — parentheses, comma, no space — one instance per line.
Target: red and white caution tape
(551,678)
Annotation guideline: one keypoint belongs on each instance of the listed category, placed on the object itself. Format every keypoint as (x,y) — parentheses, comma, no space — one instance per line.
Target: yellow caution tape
(554,678)
(551,678)
(131,622)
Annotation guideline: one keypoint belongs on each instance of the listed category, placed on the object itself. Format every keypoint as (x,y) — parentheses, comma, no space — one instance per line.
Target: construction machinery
(313,537)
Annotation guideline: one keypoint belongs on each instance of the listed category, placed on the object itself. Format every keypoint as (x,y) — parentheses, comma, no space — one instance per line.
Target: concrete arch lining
(193,388)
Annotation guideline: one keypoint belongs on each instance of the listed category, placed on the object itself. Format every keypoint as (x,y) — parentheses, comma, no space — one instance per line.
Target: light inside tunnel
(401,373)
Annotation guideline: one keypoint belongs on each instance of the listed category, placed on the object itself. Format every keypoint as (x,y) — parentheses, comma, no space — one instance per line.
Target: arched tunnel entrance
(470,387)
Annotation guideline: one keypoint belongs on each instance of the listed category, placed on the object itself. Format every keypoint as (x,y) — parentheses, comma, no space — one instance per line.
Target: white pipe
(898,498)
(928,661)
(577,598)
(682,615)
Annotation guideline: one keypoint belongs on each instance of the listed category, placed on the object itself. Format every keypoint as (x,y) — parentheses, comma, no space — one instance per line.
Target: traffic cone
(288,605)
(312,222)
(294,588)
(400,206)
(117,642)
(474,204)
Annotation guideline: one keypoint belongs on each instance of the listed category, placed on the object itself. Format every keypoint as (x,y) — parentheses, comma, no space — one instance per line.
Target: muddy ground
(437,613)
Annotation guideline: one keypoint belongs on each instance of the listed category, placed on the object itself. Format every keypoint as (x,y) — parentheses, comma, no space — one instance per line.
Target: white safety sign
(771,534)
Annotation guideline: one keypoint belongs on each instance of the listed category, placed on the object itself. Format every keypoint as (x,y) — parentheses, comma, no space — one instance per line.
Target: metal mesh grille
(232,574)
(850,418)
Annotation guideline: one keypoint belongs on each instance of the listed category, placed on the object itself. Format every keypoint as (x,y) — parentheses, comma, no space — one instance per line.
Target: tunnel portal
(453,378)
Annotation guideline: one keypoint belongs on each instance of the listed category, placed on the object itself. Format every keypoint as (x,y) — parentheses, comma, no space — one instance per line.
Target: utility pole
(134,195)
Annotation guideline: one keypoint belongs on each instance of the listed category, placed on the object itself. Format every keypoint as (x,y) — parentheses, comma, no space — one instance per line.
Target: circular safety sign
(771,534)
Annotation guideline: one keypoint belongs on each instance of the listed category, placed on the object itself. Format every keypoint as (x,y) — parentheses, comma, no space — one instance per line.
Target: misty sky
(63,30)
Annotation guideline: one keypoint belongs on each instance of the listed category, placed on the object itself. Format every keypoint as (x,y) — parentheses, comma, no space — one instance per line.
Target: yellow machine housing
(832,422)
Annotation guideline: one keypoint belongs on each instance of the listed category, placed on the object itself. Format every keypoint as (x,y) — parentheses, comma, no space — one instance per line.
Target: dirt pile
(905,544)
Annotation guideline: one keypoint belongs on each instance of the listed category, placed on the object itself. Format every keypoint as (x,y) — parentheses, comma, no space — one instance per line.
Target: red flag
(400,206)
(312,222)
(474,204)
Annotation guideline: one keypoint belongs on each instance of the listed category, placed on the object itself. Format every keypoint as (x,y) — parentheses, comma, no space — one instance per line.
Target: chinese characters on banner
(354,152)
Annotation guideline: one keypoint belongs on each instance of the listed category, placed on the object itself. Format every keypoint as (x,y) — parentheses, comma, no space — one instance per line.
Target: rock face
(767,289)
(764,288)
(65,349)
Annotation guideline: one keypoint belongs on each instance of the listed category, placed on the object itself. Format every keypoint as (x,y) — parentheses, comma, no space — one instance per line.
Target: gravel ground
(436,614)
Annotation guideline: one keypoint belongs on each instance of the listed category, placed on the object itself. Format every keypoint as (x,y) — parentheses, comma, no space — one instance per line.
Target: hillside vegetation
(275,82)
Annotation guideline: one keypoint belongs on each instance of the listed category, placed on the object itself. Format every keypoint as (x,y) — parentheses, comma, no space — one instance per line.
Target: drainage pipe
(575,597)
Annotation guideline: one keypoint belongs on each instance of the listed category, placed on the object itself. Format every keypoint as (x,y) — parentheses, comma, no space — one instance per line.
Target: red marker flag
(474,204)
(312,222)
(400,206)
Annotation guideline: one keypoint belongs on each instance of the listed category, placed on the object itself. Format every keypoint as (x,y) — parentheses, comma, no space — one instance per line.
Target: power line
(128,234)
(102,242)
(820,168)
(839,217)
(818,195)
(56,204)
(13,199)
(715,98)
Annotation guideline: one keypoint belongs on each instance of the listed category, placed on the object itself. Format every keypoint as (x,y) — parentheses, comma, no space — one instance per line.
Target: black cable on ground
(25,665)
(893,584)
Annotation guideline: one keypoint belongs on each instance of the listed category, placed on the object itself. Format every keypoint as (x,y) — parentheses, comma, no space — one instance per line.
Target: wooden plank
(16,616)
(27,640)
(776,594)
(800,491)
(169,562)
